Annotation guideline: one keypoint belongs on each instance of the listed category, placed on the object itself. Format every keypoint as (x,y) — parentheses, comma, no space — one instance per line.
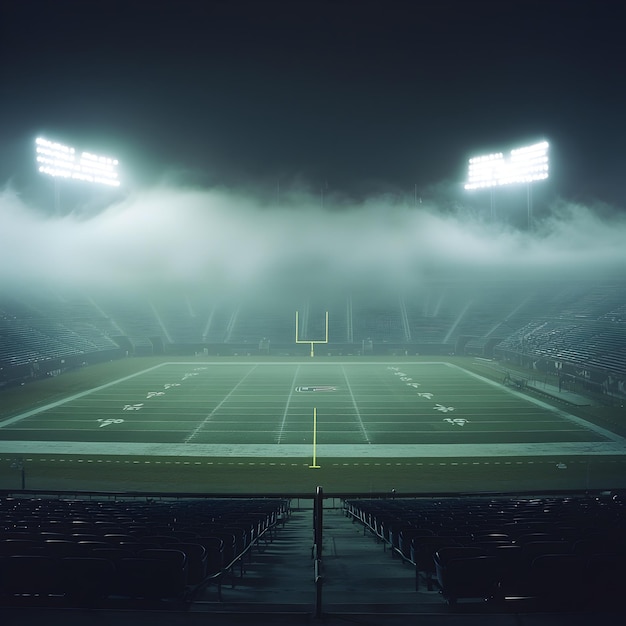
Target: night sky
(356,97)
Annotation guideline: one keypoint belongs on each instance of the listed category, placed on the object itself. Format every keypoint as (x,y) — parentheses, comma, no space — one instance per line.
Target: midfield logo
(317,388)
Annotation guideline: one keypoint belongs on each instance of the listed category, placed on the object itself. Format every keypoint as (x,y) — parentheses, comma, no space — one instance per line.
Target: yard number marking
(108,422)
(443,409)
(457,421)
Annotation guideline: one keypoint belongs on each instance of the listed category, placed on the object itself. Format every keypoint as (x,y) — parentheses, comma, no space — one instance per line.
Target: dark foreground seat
(153,574)
(559,579)
(30,575)
(87,579)
(466,572)
(196,561)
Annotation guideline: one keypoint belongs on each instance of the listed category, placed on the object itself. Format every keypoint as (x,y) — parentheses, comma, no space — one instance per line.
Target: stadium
(233,391)
(491,397)
(156,381)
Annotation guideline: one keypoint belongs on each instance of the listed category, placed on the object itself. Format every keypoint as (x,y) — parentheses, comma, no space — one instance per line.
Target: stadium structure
(448,452)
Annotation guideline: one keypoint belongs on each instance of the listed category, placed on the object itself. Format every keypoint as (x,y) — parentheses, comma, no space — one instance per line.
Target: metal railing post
(318,517)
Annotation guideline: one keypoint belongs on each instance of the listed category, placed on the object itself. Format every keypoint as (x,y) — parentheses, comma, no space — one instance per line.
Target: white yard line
(210,415)
(356,408)
(284,420)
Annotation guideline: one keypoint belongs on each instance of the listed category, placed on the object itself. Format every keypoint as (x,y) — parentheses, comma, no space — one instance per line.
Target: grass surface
(243,425)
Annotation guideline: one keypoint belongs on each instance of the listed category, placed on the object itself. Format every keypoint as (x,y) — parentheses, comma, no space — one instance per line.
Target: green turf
(247,425)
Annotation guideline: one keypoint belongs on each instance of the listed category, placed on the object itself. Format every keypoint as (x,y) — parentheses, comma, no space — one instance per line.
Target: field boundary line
(544,405)
(348,452)
(75,396)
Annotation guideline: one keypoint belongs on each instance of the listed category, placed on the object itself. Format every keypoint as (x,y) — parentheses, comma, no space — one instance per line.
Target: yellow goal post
(311,341)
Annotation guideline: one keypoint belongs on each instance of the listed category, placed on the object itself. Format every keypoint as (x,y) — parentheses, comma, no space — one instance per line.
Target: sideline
(347,451)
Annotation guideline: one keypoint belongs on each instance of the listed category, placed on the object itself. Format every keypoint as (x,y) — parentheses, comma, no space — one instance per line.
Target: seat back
(87,579)
(196,560)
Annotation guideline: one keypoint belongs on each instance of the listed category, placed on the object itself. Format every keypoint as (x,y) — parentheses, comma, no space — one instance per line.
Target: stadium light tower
(64,162)
(523,165)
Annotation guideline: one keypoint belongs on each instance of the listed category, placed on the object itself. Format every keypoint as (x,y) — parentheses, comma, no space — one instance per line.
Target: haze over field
(353,108)
(167,236)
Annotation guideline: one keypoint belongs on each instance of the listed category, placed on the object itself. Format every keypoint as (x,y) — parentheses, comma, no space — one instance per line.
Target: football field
(304,413)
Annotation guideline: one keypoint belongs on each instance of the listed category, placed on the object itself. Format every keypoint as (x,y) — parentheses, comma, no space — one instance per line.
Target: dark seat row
(503,546)
(152,575)
(551,577)
(156,549)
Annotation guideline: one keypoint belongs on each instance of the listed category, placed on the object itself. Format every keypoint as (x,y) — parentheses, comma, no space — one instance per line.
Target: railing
(318,517)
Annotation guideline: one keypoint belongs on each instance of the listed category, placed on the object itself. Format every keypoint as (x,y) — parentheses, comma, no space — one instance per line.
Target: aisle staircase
(359,575)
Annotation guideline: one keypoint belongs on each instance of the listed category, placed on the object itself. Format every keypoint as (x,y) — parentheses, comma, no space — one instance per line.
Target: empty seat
(533,549)
(407,535)
(9,547)
(31,575)
(87,579)
(559,578)
(196,561)
(149,578)
(61,548)
(214,547)
(230,547)
(483,538)
(177,566)
(606,579)
(466,573)
(111,553)
(423,551)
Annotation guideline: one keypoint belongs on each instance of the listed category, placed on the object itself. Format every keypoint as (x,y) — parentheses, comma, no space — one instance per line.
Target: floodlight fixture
(61,161)
(522,165)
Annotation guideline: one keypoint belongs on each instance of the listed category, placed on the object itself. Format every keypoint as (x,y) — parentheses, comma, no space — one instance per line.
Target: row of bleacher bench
(548,551)
(90,552)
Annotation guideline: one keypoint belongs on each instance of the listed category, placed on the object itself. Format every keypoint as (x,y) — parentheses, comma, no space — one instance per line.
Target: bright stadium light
(523,165)
(62,161)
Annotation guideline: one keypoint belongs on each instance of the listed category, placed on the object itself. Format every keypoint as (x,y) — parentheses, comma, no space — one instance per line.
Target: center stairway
(359,575)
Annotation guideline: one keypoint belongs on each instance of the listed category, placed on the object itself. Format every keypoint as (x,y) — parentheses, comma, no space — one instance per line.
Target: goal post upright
(312,342)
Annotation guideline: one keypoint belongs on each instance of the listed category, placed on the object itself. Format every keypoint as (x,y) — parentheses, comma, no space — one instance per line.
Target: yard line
(208,417)
(356,408)
(282,424)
